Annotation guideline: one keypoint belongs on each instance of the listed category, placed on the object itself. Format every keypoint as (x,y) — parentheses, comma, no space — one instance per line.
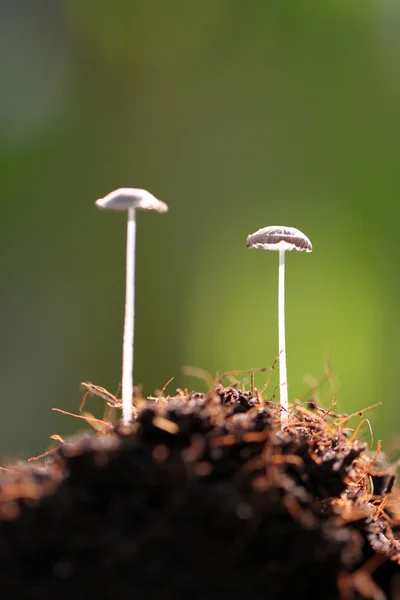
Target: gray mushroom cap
(123,199)
(278,237)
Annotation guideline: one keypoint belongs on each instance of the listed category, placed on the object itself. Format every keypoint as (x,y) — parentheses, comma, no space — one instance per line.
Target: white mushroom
(130,200)
(280,238)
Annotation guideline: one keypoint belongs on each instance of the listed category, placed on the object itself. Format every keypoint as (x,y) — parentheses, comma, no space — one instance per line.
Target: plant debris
(203,497)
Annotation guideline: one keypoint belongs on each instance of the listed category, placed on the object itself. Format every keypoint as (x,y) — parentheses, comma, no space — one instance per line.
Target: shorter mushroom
(281,238)
(130,200)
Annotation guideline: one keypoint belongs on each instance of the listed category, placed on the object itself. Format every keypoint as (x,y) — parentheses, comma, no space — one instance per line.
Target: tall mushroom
(130,200)
(280,238)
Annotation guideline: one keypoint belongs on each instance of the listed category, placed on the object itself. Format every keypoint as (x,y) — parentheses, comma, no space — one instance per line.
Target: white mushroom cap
(278,237)
(123,199)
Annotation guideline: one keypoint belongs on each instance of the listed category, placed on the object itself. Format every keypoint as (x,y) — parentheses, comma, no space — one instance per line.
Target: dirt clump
(204,498)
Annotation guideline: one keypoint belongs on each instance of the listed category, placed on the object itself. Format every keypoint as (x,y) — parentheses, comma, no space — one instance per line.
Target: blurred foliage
(238,115)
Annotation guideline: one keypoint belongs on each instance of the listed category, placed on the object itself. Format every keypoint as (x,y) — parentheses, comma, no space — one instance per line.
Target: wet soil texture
(204,498)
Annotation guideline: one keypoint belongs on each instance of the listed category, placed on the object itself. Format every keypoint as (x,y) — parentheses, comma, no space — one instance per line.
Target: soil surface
(204,498)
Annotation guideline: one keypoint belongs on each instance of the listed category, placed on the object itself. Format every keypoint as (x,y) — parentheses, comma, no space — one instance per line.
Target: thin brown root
(44,455)
(96,390)
(166,385)
(358,413)
(198,373)
(84,417)
(353,437)
(233,373)
(57,438)
(272,367)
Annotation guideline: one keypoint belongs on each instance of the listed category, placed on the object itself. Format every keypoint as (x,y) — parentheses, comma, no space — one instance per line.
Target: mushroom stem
(282,340)
(280,238)
(129,325)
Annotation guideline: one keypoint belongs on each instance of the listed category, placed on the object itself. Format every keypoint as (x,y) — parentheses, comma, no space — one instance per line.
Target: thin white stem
(129,325)
(282,340)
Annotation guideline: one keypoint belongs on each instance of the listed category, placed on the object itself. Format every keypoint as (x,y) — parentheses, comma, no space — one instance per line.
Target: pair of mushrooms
(269,238)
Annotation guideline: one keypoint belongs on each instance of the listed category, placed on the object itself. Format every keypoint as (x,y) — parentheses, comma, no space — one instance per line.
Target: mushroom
(130,200)
(280,238)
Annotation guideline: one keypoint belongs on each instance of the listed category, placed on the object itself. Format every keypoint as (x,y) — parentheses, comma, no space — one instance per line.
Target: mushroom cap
(125,198)
(279,237)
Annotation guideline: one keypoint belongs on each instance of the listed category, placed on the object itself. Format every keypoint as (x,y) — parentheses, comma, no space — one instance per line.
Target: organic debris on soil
(204,498)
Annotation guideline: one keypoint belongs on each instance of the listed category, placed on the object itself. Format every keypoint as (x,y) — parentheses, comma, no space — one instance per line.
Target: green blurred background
(238,115)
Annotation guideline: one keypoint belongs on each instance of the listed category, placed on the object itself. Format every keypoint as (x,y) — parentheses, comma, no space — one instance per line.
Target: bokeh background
(238,115)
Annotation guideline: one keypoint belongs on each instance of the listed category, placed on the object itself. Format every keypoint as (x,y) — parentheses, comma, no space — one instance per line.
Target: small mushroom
(130,200)
(281,238)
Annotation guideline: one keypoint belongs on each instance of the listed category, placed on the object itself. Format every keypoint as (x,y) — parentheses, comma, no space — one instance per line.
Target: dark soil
(203,499)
